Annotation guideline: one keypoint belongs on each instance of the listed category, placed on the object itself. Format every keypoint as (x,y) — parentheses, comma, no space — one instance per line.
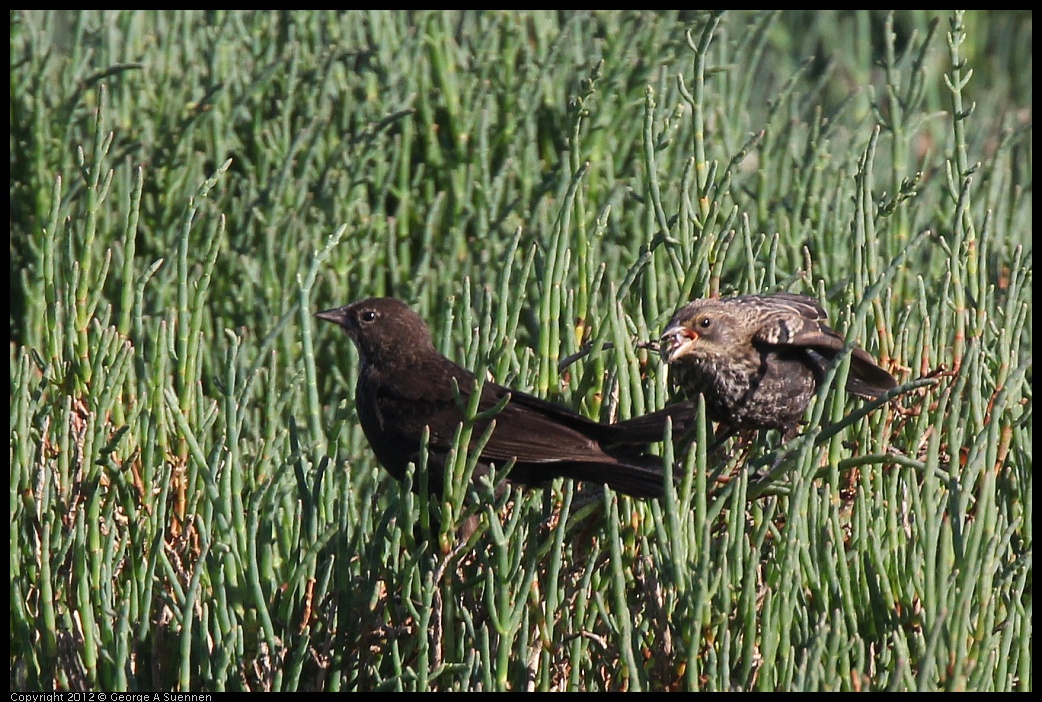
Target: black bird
(404,385)
(758,359)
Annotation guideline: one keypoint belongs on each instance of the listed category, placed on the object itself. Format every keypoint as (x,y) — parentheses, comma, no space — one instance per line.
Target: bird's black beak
(337,315)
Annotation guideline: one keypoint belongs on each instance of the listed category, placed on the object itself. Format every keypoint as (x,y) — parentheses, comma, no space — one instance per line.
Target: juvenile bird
(758,359)
(404,385)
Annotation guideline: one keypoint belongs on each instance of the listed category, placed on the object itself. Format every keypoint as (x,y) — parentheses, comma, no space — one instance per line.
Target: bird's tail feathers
(649,428)
(639,476)
(866,378)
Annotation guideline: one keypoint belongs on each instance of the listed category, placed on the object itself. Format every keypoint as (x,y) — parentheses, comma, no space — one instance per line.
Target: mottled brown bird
(758,359)
(404,385)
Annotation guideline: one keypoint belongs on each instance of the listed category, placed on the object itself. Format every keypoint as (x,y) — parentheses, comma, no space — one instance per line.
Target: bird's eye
(705,322)
(368,316)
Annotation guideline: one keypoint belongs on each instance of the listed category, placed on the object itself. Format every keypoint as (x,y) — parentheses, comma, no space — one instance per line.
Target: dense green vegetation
(193,505)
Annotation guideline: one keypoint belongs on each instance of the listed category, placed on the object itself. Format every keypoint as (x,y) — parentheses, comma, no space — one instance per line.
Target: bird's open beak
(676,342)
(336,316)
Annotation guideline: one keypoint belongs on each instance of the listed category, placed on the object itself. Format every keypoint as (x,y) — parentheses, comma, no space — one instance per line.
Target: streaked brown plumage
(404,385)
(758,359)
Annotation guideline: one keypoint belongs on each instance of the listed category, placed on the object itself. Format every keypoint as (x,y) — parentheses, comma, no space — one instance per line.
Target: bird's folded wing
(527,428)
(802,305)
(535,430)
(785,326)
(866,378)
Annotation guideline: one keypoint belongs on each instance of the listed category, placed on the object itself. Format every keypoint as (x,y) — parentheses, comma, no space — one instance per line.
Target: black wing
(795,320)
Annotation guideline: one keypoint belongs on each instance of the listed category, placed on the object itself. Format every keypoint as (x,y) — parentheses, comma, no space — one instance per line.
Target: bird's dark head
(381,327)
(700,329)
